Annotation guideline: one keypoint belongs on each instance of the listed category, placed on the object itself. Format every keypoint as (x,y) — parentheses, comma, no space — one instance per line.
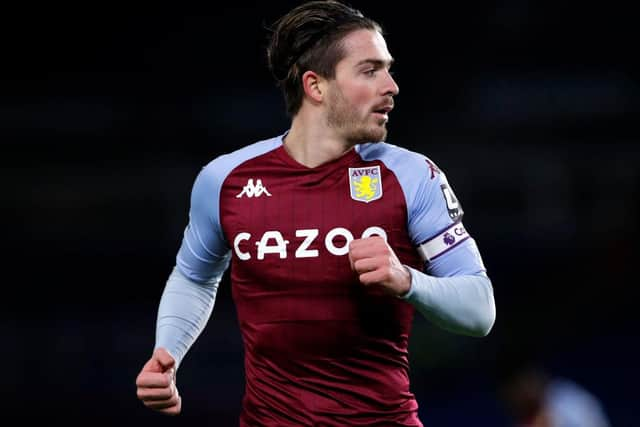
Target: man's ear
(314,86)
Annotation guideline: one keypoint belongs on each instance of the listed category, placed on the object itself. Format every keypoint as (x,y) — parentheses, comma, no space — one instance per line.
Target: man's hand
(376,264)
(156,384)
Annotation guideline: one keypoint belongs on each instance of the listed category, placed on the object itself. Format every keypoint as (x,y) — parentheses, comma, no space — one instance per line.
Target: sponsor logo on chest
(336,242)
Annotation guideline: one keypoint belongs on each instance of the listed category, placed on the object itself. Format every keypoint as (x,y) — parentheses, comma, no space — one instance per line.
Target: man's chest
(271,214)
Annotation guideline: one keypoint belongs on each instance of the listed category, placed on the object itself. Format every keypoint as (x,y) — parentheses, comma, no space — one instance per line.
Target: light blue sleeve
(204,251)
(453,291)
(461,304)
(204,255)
(190,292)
(435,223)
(185,308)
(434,214)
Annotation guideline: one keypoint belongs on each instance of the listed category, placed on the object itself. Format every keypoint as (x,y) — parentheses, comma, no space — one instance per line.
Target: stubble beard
(344,117)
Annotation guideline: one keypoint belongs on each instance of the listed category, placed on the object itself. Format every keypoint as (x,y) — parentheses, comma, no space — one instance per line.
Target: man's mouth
(385,109)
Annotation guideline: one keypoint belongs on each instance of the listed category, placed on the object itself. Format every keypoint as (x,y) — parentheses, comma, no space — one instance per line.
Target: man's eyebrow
(379,63)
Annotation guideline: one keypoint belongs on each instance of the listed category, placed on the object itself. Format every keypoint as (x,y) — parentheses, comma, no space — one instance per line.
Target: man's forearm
(460,304)
(185,308)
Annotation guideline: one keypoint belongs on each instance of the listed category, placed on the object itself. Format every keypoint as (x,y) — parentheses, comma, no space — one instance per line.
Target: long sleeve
(461,304)
(183,312)
(453,290)
(190,291)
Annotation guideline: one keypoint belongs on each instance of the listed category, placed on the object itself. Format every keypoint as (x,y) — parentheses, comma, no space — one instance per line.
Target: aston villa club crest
(365,184)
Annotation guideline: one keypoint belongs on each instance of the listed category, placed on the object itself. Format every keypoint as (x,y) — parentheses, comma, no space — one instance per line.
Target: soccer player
(334,238)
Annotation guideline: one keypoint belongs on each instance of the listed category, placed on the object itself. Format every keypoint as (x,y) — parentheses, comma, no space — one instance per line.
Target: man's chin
(370,134)
(379,135)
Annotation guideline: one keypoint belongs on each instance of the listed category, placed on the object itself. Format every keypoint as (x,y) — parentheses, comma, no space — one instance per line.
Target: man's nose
(390,86)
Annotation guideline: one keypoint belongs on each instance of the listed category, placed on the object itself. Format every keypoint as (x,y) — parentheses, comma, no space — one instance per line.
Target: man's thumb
(163,357)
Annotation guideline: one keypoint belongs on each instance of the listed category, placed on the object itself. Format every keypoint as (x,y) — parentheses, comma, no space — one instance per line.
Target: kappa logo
(253,190)
(365,184)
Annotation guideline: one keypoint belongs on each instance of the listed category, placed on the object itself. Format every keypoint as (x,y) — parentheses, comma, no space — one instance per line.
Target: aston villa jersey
(321,348)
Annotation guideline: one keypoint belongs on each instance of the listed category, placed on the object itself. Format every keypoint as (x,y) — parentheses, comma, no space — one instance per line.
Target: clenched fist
(377,264)
(156,384)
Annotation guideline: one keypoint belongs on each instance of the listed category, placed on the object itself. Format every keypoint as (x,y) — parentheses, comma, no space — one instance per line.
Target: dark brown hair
(309,37)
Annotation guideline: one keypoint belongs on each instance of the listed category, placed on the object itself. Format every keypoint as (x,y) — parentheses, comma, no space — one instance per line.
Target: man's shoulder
(225,163)
(394,156)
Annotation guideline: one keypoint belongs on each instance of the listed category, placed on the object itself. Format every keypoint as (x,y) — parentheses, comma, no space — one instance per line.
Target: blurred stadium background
(107,114)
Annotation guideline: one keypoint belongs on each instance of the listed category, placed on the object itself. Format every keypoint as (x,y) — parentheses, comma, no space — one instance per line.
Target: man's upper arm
(204,252)
(436,228)
(434,214)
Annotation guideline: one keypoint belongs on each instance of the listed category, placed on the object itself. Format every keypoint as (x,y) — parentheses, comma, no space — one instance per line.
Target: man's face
(361,96)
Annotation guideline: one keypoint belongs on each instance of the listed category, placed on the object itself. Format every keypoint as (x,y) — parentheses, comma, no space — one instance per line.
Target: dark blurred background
(108,113)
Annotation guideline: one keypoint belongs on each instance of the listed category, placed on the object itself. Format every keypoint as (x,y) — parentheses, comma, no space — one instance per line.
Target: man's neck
(313,145)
